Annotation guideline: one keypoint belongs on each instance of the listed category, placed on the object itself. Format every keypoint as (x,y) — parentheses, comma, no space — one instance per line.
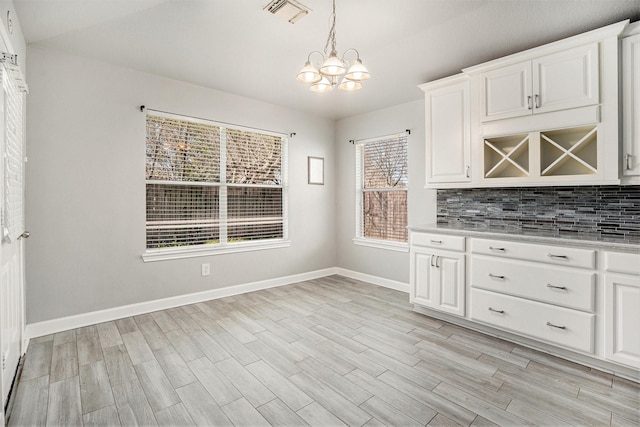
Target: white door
(622,317)
(506,92)
(422,286)
(450,271)
(567,79)
(631,105)
(11,250)
(448,131)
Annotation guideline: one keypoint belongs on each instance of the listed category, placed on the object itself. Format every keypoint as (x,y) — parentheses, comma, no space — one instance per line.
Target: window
(213,187)
(381,196)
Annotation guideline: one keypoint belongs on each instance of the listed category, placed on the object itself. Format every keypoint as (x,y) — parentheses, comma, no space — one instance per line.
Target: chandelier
(333,71)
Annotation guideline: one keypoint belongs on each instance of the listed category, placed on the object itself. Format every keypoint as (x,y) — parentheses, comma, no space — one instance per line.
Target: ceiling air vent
(290,10)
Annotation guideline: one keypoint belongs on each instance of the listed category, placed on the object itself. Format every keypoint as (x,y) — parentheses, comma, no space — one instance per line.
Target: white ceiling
(236,46)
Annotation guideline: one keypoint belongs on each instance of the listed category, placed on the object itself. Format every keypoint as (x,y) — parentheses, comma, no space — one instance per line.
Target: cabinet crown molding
(597,35)
(446,81)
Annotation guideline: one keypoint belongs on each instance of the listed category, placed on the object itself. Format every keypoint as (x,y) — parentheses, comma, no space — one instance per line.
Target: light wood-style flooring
(326,352)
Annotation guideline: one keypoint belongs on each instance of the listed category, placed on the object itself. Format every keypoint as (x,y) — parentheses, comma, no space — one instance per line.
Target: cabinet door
(506,92)
(448,141)
(631,105)
(622,317)
(567,79)
(422,288)
(450,273)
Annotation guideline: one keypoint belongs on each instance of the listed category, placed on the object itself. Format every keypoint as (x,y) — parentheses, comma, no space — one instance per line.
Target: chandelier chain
(331,39)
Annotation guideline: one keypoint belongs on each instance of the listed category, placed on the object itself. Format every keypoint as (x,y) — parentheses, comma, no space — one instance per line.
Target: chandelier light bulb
(348,85)
(324,85)
(309,74)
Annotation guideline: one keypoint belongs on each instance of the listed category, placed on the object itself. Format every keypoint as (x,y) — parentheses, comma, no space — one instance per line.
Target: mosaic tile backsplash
(594,212)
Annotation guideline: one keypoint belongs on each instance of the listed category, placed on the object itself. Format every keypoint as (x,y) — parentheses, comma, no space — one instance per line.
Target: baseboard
(47,327)
(380,281)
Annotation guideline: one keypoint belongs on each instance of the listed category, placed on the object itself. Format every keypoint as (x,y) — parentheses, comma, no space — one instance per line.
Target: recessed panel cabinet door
(448,133)
(567,79)
(506,92)
(451,284)
(422,286)
(622,319)
(631,105)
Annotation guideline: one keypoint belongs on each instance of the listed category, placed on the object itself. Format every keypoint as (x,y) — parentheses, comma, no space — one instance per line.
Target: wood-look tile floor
(326,352)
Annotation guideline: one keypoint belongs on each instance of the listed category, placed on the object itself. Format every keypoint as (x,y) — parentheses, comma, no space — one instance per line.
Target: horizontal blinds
(178,150)
(253,158)
(210,184)
(13,215)
(382,182)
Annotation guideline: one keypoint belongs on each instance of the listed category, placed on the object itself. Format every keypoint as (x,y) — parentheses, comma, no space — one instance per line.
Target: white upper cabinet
(559,81)
(448,141)
(630,167)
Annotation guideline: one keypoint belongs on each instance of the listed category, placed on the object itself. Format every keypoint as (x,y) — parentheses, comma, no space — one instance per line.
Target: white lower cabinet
(584,302)
(622,309)
(437,277)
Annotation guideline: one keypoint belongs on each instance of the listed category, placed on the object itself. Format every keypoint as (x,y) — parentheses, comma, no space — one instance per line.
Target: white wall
(421,203)
(86,194)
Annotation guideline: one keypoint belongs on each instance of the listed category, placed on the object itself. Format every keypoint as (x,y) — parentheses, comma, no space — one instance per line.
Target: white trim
(375,280)
(65,323)
(382,244)
(205,250)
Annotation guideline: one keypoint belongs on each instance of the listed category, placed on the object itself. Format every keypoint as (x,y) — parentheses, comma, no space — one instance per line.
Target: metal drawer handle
(549,285)
(529,103)
(537,98)
(497,249)
(496,311)
(437,241)
(495,276)
(628,161)
(556,326)
(557,256)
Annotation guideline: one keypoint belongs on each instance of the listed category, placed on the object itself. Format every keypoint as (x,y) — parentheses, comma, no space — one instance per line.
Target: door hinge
(4,361)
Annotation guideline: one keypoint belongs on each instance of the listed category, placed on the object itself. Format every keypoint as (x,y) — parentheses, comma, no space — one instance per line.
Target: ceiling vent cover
(290,10)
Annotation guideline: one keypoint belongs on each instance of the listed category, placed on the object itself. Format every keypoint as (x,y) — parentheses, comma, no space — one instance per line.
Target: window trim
(181,252)
(359,238)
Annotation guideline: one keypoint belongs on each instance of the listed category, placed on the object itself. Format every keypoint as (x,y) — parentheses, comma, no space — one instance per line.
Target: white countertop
(531,235)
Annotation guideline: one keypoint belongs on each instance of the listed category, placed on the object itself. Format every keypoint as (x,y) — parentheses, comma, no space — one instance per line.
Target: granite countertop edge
(519,236)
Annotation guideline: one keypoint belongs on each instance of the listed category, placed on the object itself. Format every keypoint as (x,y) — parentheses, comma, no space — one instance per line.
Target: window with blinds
(381,184)
(212,184)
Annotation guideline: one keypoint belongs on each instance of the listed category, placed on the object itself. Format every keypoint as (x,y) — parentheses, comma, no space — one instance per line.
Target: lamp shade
(322,86)
(332,66)
(358,71)
(309,74)
(349,85)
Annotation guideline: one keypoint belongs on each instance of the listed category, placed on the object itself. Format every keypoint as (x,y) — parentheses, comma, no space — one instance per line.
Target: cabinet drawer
(440,241)
(620,262)
(568,287)
(562,326)
(570,257)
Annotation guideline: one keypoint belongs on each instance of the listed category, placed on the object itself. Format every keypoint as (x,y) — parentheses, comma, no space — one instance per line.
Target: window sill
(196,251)
(382,244)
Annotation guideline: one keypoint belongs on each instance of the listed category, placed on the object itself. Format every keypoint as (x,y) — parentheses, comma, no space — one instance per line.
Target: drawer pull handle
(563,288)
(496,311)
(556,326)
(495,276)
(557,256)
(497,249)
(439,242)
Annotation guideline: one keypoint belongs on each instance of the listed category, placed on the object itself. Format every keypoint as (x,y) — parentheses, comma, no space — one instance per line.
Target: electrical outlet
(206,269)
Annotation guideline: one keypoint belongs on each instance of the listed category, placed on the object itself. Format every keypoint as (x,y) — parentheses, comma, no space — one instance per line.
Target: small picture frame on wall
(315,166)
